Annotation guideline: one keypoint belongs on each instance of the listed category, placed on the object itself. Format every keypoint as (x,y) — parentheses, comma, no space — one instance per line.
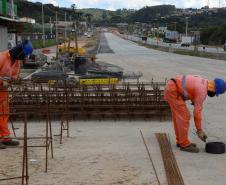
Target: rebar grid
(173,174)
(24,177)
(127,100)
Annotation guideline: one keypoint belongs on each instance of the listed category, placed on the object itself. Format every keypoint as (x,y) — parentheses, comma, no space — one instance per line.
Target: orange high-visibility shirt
(196,88)
(7,69)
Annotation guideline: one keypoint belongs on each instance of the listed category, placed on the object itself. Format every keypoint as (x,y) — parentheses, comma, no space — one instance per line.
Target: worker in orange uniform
(194,88)
(9,70)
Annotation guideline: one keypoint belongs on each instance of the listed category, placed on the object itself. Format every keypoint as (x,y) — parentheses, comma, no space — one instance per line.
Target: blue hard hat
(27,47)
(220,86)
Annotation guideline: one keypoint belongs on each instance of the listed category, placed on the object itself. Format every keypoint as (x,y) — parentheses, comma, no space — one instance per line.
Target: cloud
(54,2)
(132,4)
(114,4)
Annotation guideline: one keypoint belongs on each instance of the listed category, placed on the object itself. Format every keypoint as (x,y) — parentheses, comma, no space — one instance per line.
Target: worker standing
(194,88)
(10,69)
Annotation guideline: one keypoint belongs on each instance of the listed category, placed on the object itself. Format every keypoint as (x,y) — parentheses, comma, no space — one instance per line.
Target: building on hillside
(27,20)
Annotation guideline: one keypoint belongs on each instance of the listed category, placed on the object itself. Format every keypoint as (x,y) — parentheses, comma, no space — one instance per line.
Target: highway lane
(156,64)
(156,42)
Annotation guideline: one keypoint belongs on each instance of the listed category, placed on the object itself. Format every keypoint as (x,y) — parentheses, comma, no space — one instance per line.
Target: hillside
(211,24)
(33,10)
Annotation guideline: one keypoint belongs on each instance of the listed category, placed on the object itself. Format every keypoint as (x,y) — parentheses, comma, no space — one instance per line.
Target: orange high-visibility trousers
(12,70)
(4,110)
(180,113)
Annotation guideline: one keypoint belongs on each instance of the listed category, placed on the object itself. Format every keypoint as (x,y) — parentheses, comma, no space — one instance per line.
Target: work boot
(178,145)
(2,146)
(190,148)
(10,142)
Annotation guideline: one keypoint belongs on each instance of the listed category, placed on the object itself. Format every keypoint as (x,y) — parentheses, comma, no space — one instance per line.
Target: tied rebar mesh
(121,101)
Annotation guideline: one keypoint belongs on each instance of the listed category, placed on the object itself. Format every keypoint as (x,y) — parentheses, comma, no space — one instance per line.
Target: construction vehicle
(62,48)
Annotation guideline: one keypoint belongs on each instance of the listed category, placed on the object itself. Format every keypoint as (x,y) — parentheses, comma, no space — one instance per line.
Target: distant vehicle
(185,44)
(171,36)
(85,34)
(186,41)
(225,46)
(88,36)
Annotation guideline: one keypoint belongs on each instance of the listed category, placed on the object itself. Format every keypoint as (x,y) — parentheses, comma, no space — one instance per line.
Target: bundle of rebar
(173,174)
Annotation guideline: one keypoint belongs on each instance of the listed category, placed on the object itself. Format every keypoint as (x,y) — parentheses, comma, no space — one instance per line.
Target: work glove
(5,84)
(201,134)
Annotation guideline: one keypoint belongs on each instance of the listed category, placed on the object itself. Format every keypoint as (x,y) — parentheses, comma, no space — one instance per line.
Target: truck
(171,36)
(186,41)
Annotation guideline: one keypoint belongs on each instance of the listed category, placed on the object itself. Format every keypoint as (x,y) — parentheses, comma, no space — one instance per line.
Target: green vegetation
(152,13)
(214,35)
(37,44)
(211,24)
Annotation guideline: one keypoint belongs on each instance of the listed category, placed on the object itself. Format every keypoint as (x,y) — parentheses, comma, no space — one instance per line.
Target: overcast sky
(133,4)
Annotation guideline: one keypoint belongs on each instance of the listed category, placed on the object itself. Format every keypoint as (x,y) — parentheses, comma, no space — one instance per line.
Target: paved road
(103,46)
(156,64)
(172,45)
(197,169)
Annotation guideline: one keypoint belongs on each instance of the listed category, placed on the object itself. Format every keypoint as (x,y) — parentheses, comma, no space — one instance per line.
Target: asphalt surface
(196,169)
(177,45)
(103,45)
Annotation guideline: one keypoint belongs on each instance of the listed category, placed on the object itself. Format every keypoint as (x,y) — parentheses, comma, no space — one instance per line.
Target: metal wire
(149,155)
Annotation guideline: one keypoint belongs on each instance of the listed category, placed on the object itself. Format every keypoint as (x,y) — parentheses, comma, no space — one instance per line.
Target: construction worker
(9,70)
(194,88)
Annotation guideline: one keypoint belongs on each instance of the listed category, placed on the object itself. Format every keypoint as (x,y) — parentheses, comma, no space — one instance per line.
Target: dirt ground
(113,153)
(83,41)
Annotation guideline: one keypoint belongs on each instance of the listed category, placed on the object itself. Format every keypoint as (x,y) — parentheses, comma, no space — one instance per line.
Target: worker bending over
(9,69)
(194,88)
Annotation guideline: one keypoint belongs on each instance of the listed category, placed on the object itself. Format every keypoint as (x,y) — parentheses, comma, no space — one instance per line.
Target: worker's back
(195,86)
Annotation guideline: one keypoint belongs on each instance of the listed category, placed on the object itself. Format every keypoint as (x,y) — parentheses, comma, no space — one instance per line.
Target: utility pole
(12,9)
(56,37)
(65,29)
(76,36)
(69,37)
(186,18)
(43,28)
(51,28)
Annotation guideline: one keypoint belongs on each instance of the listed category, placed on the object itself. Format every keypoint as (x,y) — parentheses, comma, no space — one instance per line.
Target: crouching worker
(9,69)
(194,88)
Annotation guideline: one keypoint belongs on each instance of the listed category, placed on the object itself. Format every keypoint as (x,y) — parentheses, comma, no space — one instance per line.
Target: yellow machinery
(63,49)
(98,81)
(92,81)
